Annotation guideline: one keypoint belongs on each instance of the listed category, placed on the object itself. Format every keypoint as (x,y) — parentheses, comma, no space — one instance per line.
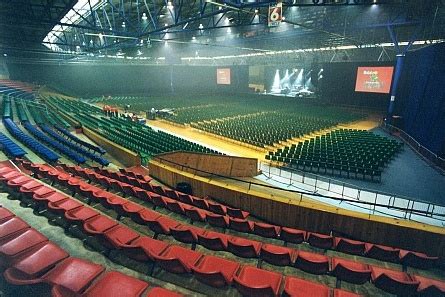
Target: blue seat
(10,147)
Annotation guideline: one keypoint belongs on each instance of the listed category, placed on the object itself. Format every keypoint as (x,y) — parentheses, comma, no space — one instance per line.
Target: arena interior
(222,148)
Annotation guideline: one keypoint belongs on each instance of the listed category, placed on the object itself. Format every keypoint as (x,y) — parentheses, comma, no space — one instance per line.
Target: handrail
(408,211)
(417,147)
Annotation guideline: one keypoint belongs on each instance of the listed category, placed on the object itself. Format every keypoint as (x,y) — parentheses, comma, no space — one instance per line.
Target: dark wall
(97,80)
(421,97)
(338,86)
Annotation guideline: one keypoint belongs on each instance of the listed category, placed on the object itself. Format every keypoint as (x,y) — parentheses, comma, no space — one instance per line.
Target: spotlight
(144,16)
(201,27)
(123,24)
(193,38)
(256,11)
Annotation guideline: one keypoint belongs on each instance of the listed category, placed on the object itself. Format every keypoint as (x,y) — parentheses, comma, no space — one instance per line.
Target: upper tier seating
(10,147)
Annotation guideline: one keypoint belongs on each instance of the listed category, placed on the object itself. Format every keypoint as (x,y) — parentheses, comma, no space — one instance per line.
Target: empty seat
(29,269)
(244,247)
(177,259)
(5,214)
(161,292)
(73,275)
(343,293)
(19,245)
(312,263)
(240,225)
(162,225)
(381,252)
(351,271)
(98,225)
(12,227)
(143,248)
(292,235)
(186,234)
(416,259)
(63,206)
(195,214)
(266,230)
(252,281)
(320,240)
(217,208)
(217,220)
(214,240)
(117,237)
(176,207)
(295,287)
(277,255)
(349,246)
(429,287)
(116,284)
(80,214)
(145,216)
(236,213)
(215,271)
(394,282)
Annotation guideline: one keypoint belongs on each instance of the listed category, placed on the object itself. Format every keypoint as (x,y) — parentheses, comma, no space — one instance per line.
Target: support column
(395,82)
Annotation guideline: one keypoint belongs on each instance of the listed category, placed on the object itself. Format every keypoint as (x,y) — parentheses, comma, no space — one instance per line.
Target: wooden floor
(236,148)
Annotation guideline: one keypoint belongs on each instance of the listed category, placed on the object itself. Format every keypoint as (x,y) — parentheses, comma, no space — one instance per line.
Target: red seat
(117,237)
(177,259)
(349,246)
(116,284)
(29,269)
(161,292)
(113,202)
(381,252)
(50,197)
(73,275)
(429,287)
(292,235)
(215,271)
(186,234)
(160,201)
(162,225)
(10,175)
(217,208)
(143,248)
(394,282)
(15,183)
(295,287)
(351,271)
(5,214)
(343,293)
(418,260)
(252,281)
(217,220)
(127,209)
(19,245)
(266,230)
(27,189)
(63,206)
(41,192)
(143,195)
(200,203)
(277,255)
(320,240)
(145,216)
(185,198)
(5,170)
(236,213)
(176,207)
(12,227)
(240,225)
(312,263)
(214,241)
(98,225)
(171,193)
(195,214)
(80,214)
(244,247)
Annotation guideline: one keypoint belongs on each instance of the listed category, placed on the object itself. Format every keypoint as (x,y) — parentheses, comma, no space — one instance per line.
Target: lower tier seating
(29,258)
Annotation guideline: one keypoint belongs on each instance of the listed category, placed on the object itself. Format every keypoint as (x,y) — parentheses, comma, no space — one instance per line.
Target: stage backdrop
(98,80)
(421,97)
(338,85)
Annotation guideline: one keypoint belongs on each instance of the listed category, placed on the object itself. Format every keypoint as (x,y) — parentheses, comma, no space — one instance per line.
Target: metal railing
(416,146)
(371,202)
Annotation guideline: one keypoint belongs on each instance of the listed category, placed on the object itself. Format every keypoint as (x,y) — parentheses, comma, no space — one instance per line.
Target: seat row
(350,271)
(211,270)
(96,158)
(144,183)
(198,209)
(29,258)
(30,142)
(88,145)
(54,144)
(11,148)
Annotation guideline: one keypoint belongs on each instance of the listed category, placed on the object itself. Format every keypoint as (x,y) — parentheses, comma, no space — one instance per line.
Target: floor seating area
(346,270)
(134,136)
(29,258)
(343,152)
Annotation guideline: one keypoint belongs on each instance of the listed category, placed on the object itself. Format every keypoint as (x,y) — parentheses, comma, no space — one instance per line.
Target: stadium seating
(29,259)
(344,152)
(10,147)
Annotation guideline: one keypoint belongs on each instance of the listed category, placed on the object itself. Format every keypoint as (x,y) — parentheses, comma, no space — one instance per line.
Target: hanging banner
(275,15)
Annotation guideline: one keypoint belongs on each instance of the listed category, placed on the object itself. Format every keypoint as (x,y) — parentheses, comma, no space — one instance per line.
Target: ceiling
(188,28)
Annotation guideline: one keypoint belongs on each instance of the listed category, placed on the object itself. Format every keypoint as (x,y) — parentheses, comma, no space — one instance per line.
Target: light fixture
(169,5)
(144,16)
(123,24)
(256,11)
(201,27)
(193,38)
